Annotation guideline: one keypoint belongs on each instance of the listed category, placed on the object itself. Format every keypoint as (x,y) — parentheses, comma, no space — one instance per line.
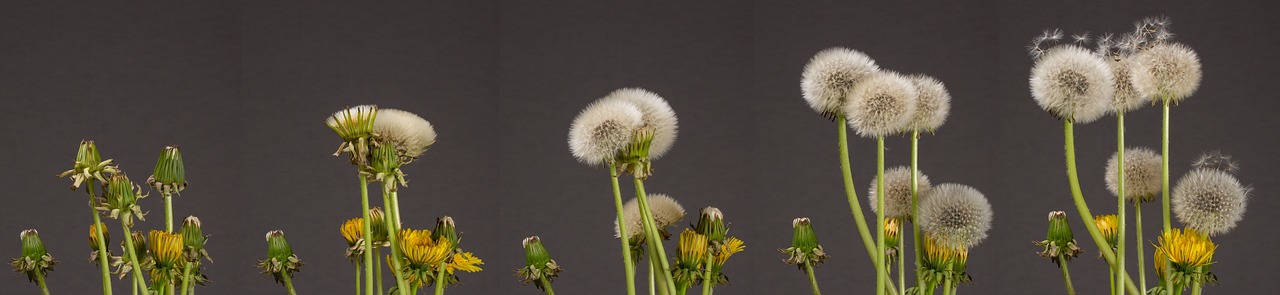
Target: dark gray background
(244,87)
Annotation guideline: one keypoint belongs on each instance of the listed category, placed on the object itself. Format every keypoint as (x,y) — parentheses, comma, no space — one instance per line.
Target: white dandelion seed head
(881,105)
(957,216)
(602,129)
(1166,71)
(897,192)
(1141,174)
(666,212)
(830,75)
(1125,97)
(933,103)
(1216,160)
(1210,201)
(411,134)
(1072,83)
(655,113)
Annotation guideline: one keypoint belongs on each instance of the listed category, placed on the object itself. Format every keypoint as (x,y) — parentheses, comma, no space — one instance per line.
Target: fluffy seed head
(410,134)
(1072,83)
(933,103)
(830,75)
(1141,174)
(1216,160)
(1209,201)
(666,211)
(655,113)
(1166,71)
(955,215)
(602,129)
(881,105)
(1125,97)
(897,192)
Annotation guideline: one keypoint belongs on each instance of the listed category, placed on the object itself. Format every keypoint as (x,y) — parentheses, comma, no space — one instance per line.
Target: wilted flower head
(170,176)
(35,260)
(1166,71)
(881,105)
(1141,174)
(957,216)
(88,165)
(121,199)
(409,133)
(1209,201)
(1125,97)
(933,103)
(353,123)
(897,191)
(656,114)
(1072,83)
(666,211)
(1216,160)
(603,129)
(830,75)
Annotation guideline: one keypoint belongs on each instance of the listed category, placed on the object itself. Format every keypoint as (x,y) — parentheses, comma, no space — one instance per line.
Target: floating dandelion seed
(897,192)
(666,211)
(956,216)
(933,104)
(409,133)
(1081,39)
(881,104)
(830,75)
(1141,174)
(602,130)
(1072,83)
(1166,71)
(1210,201)
(655,112)
(1216,160)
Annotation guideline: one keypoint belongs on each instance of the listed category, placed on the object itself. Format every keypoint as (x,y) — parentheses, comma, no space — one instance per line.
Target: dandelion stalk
(630,269)
(377,273)
(440,278)
(1083,208)
(102,243)
(129,249)
(915,207)
(852,194)
(547,285)
(1120,270)
(1137,219)
(1164,181)
(186,278)
(655,241)
(358,273)
(390,199)
(882,272)
(368,237)
(707,282)
(1066,275)
(168,211)
(288,284)
(813,282)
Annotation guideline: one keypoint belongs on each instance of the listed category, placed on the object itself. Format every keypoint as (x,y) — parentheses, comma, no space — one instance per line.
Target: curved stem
(655,241)
(186,278)
(288,284)
(654,269)
(813,282)
(440,279)
(628,264)
(168,212)
(102,243)
(1120,269)
(882,273)
(368,235)
(547,285)
(855,206)
(1074,180)
(915,208)
(1137,219)
(707,279)
(390,199)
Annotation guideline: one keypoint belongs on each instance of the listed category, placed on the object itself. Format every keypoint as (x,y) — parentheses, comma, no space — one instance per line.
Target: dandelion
(1166,72)
(281,263)
(355,126)
(1210,201)
(933,104)
(957,216)
(829,77)
(1060,243)
(1189,252)
(423,254)
(35,262)
(602,130)
(409,133)
(897,192)
(166,253)
(193,240)
(1125,97)
(94,241)
(805,252)
(1141,174)
(691,252)
(711,224)
(656,114)
(539,269)
(880,105)
(1109,226)
(666,211)
(1072,83)
(943,263)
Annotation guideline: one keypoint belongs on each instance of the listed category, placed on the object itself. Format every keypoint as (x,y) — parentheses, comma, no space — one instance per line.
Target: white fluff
(881,105)
(1125,97)
(957,216)
(830,75)
(603,129)
(897,192)
(656,114)
(1072,83)
(1141,174)
(1166,71)
(933,103)
(411,134)
(666,212)
(1210,201)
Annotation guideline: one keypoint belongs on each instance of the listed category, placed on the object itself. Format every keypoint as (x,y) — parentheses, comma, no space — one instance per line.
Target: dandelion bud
(88,165)
(140,248)
(538,264)
(170,176)
(280,260)
(892,236)
(35,260)
(93,236)
(1059,244)
(711,224)
(193,239)
(804,245)
(353,231)
(944,262)
(122,197)
(691,253)
(87,155)
(378,225)
(1109,227)
(445,229)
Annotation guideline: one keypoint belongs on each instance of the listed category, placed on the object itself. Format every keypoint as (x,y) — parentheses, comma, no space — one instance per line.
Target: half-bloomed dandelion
(429,260)
(1072,84)
(943,265)
(35,261)
(539,269)
(94,241)
(892,239)
(656,114)
(353,231)
(830,75)
(166,257)
(956,216)
(720,255)
(805,252)
(691,254)
(1109,226)
(1189,253)
(897,192)
(1210,201)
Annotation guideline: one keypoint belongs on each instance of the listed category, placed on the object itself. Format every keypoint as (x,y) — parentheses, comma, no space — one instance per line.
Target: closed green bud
(88,165)
(170,176)
(35,260)
(32,247)
(280,260)
(378,226)
(445,228)
(193,239)
(711,224)
(538,264)
(87,155)
(121,198)
(804,245)
(534,253)
(277,247)
(1059,243)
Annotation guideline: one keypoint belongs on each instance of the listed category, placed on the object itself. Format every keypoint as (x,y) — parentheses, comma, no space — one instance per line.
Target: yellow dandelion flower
(938,256)
(892,232)
(692,248)
(465,262)
(1108,225)
(166,248)
(420,250)
(732,245)
(93,236)
(353,230)
(1185,249)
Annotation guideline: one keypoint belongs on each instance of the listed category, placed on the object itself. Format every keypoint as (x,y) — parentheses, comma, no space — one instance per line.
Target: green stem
(40,281)
(1112,279)
(855,206)
(358,273)
(654,269)
(1164,180)
(1195,284)
(1137,219)
(813,282)
(368,235)
(1120,269)
(135,286)
(186,278)
(391,200)
(902,266)
(377,273)
(288,284)
(915,207)
(629,269)
(655,241)
(1066,276)
(168,212)
(708,280)
(653,286)
(546,285)
(133,259)
(440,279)
(882,272)
(102,243)
(1074,180)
